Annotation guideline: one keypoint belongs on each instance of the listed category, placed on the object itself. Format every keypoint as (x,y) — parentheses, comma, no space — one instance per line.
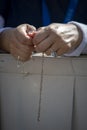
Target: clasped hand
(24,39)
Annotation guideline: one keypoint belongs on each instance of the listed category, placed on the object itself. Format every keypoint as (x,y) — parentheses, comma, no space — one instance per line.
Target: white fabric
(2,21)
(82,48)
(2,29)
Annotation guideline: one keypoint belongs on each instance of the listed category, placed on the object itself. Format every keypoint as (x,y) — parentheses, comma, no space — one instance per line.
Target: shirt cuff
(82,48)
(2,29)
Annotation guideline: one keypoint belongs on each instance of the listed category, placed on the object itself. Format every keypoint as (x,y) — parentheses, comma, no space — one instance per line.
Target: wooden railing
(53,89)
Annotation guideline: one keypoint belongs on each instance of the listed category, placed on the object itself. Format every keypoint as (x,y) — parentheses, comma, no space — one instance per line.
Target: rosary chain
(41,87)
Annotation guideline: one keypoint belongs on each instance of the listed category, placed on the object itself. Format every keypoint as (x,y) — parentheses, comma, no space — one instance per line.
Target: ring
(53,53)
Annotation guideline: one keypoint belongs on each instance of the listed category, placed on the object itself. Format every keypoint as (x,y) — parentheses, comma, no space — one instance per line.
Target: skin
(24,39)
(18,41)
(60,38)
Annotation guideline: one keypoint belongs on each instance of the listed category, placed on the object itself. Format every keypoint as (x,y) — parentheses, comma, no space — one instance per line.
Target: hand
(18,41)
(60,38)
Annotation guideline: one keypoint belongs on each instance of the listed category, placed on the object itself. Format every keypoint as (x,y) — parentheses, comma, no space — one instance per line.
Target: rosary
(41,81)
(41,87)
(19,63)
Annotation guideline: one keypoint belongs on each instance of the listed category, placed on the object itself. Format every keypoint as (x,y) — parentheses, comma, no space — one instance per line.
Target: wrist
(80,36)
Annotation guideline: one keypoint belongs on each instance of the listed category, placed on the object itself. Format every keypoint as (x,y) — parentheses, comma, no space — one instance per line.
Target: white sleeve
(2,29)
(82,48)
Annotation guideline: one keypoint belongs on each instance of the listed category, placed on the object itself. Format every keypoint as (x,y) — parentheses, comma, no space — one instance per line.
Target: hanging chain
(22,64)
(41,84)
(41,87)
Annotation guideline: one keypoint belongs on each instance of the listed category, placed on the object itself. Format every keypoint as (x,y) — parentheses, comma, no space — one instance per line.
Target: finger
(31,34)
(64,49)
(22,32)
(54,47)
(31,27)
(24,51)
(23,56)
(40,35)
(31,31)
(45,44)
(20,45)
